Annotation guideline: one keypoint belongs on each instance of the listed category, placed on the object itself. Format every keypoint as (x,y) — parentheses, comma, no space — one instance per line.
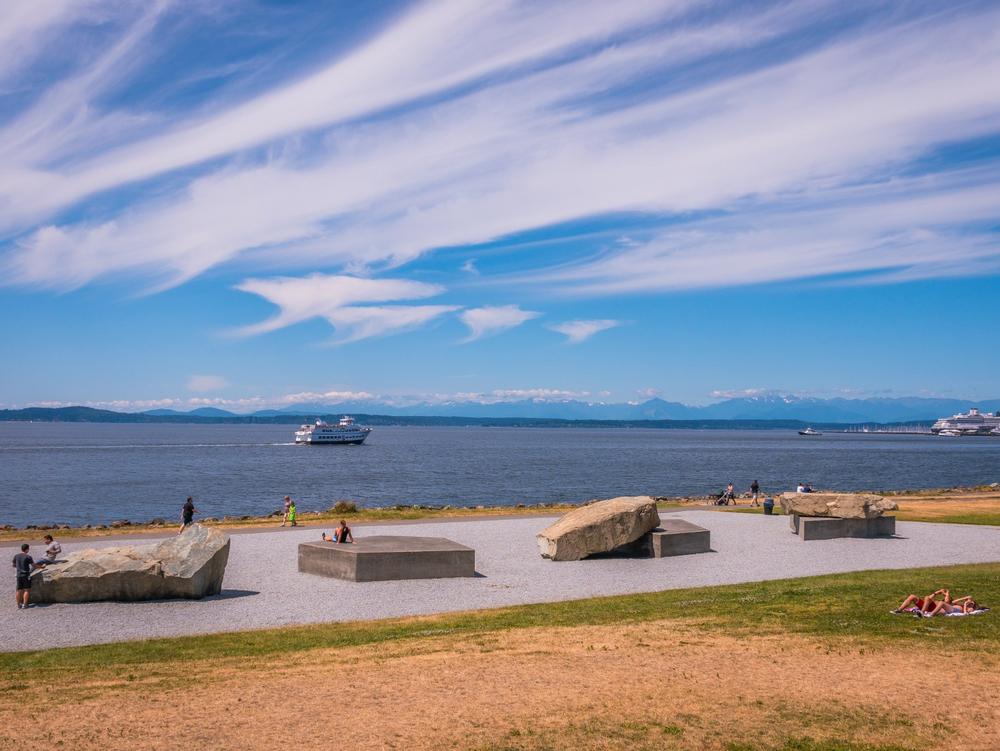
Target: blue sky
(253,204)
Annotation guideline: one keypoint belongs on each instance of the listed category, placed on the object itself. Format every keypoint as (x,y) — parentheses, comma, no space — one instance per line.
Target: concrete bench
(679,537)
(672,537)
(388,558)
(831,528)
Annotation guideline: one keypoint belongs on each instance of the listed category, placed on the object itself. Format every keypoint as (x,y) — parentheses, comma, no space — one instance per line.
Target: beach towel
(919,614)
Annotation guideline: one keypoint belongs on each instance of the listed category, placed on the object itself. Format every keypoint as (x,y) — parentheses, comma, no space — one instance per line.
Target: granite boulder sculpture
(837,505)
(598,527)
(189,566)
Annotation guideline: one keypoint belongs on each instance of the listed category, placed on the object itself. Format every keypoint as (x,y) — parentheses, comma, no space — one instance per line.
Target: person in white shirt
(52,550)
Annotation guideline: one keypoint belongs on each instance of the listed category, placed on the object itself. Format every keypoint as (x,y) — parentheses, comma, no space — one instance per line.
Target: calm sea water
(96,473)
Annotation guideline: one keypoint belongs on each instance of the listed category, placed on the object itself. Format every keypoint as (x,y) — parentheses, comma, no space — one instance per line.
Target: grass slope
(834,607)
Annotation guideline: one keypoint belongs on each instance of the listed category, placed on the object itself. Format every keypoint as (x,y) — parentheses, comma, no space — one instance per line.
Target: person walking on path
(187,514)
(755,493)
(288,505)
(23,564)
(291,513)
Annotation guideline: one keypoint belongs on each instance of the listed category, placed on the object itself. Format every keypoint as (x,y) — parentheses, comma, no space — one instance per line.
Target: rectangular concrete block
(830,528)
(388,558)
(679,537)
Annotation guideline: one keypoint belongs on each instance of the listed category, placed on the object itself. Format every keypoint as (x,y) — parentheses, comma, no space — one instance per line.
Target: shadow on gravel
(232,594)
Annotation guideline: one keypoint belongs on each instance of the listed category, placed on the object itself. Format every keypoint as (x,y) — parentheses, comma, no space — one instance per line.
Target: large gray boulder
(598,527)
(190,565)
(837,505)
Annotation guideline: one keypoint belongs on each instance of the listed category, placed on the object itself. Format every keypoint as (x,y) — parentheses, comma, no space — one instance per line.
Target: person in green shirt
(291,514)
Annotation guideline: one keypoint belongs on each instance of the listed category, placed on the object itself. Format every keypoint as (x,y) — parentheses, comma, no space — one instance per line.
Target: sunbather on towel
(914,604)
(960,605)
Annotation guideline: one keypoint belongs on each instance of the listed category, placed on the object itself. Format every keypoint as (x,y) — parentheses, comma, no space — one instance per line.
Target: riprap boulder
(598,527)
(837,505)
(190,566)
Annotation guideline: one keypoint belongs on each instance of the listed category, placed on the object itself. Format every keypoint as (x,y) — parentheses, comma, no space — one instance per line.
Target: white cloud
(554,126)
(910,228)
(510,156)
(27,26)
(578,331)
(492,319)
(319,295)
(354,324)
(206,383)
(542,395)
(741,393)
(333,298)
(433,48)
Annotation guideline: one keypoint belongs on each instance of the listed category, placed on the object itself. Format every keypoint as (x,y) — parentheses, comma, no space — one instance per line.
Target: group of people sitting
(929,605)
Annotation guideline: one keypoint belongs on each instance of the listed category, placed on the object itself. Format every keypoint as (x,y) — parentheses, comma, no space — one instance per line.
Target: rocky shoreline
(353,510)
(341,508)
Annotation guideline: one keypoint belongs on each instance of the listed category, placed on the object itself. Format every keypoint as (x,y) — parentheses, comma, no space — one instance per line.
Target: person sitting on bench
(340,534)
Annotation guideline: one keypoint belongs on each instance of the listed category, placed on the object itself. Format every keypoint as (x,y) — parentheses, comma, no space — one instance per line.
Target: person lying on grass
(948,606)
(930,606)
(914,604)
(340,534)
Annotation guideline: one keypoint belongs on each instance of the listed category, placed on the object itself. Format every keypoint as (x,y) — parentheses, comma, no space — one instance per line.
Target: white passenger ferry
(972,422)
(344,431)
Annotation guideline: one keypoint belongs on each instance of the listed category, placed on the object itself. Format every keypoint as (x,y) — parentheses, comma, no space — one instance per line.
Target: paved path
(263,587)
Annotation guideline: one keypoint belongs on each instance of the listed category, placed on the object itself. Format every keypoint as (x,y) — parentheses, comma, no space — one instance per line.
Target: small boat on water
(950,433)
(809,431)
(344,432)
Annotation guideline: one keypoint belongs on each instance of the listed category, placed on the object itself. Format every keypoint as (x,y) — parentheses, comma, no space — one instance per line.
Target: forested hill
(89,414)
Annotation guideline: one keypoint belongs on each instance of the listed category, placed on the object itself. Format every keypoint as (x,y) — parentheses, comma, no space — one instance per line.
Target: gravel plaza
(264,589)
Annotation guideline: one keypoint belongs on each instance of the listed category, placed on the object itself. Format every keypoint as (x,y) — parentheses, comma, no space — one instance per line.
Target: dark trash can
(768,506)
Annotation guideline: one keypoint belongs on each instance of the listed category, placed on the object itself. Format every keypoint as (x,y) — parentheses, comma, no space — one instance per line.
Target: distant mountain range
(752,409)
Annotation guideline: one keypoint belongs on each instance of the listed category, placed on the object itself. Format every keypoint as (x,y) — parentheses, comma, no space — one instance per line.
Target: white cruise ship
(344,431)
(972,422)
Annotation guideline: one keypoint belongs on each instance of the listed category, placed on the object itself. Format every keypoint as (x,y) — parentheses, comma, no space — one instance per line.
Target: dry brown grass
(660,684)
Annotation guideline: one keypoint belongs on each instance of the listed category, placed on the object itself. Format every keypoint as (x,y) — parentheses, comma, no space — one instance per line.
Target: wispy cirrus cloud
(493,319)
(914,227)
(27,27)
(441,131)
(579,331)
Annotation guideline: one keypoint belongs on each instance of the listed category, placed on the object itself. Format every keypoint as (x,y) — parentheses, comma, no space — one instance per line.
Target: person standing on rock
(187,514)
(288,505)
(24,564)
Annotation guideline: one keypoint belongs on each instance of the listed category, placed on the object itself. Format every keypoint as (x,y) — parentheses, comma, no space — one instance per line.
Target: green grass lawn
(836,607)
